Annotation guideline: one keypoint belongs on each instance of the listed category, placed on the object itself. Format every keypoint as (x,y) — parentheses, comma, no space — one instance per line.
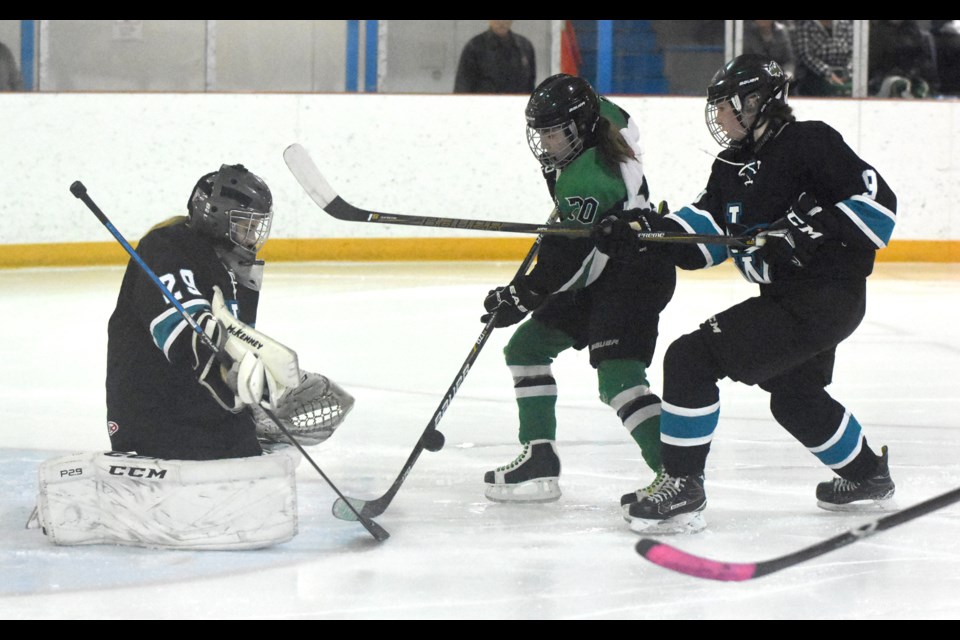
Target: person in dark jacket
(497,61)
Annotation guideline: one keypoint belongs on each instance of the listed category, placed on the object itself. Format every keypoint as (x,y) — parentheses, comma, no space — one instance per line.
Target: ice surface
(395,335)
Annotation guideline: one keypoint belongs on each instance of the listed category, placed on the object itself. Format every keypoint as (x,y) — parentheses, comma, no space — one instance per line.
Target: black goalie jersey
(155,404)
(748,191)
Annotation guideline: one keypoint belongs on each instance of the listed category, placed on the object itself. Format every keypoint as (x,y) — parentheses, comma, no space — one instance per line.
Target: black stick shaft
(343,210)
(374,508)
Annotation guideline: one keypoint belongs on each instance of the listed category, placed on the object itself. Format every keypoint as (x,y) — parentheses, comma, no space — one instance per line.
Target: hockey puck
(433,440)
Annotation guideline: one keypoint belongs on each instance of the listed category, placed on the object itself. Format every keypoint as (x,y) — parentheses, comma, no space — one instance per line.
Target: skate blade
(541,490)
(861,506)
(684,523)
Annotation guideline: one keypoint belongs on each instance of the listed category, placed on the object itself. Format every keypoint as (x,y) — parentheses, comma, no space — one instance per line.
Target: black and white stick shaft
(302,167)
(431,439)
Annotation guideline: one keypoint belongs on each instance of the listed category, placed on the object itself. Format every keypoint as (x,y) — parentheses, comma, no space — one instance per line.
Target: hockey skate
(628,499)
(675,506)
(532,477)
(873,494)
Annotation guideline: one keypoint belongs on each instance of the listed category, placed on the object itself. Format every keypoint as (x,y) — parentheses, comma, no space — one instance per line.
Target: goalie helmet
(234,207)
(562,116)
(739,96)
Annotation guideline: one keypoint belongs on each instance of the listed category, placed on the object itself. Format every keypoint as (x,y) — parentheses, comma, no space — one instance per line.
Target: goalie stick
(80,191)
(303,168)
(431,439)
(674,559)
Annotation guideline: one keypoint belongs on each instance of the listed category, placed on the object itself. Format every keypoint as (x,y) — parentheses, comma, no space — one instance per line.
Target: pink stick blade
(683,562)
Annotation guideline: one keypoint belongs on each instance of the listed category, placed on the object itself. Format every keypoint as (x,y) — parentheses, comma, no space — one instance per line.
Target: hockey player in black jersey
(196,460)
(820,213)
(589,151)
(166,395)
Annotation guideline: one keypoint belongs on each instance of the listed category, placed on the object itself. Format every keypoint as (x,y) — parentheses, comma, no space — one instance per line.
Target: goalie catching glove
(310,413)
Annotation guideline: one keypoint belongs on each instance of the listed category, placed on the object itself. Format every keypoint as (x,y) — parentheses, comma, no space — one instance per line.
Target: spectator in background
(824,50)
(497,61)
(946,37)
(10,79)
(771,39)
(901,60)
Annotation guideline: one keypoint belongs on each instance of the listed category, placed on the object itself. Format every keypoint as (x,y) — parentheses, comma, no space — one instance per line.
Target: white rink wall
(448,155)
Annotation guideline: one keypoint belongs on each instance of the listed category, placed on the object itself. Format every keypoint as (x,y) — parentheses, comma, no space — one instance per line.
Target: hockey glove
(795,237)
(212,376)
(245,382)
(511,303)
(616,235)
(248,378)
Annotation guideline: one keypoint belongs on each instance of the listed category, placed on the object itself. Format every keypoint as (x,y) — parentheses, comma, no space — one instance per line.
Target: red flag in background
(570,59)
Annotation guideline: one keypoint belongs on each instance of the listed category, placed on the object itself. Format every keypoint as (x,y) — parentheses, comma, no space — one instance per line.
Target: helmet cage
(557,146)
(723,137)
(249,230)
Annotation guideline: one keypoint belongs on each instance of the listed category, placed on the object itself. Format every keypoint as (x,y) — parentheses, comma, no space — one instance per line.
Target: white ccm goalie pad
(125,499)
(280,362)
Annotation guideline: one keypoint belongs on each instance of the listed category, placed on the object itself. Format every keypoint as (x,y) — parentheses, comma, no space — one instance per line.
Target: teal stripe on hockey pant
(685,427)
(844,446)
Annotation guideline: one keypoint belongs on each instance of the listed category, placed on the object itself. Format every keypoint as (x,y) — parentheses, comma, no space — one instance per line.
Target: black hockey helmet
(751,83)
(234,207)
(562,116)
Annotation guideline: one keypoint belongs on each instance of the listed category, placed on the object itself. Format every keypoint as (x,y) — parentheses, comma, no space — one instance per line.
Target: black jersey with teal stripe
(749,191)
(149,352)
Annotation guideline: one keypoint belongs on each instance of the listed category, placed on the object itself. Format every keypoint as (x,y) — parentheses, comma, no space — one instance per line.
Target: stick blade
(342,511)
(674,559)
(379,533)
(302,167)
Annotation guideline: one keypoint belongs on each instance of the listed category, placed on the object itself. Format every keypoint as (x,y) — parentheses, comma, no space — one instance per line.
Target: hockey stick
(431,439)
(302,167)
(676,560)
(80,191)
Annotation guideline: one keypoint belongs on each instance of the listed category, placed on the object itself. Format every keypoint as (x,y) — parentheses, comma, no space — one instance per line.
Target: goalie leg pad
(311,412)
(125,499)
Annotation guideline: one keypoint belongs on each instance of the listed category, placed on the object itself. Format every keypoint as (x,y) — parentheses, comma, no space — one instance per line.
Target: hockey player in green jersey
(589,151)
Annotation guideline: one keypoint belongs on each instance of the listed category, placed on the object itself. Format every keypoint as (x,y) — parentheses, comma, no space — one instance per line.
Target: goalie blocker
(126,499)
(310,405)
